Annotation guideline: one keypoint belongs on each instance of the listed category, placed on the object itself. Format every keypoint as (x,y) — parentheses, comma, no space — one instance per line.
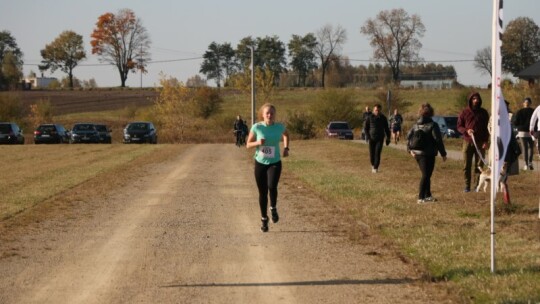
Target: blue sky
(455,29)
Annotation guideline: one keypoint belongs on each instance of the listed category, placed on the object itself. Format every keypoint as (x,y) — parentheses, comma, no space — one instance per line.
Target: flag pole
(495,83)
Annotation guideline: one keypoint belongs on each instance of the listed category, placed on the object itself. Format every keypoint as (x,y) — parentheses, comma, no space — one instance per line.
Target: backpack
(421,136)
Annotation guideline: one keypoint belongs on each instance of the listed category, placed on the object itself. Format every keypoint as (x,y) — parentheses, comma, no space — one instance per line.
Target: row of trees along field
(315,59)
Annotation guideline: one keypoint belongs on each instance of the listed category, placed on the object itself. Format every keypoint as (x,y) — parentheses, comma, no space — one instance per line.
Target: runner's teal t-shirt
(268,153)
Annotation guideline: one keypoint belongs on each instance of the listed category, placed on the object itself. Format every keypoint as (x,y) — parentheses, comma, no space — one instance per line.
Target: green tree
(329,43)
(9,48)
(122,41)
(520,45)
(219,62)
(334,104)
(302,53)
(64,53)
(269,54)
(395,38)
(11,70)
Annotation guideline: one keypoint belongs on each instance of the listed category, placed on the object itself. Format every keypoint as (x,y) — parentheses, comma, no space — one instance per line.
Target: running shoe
(430,199)
(467,189)
(264,227)
(275,215)
(525,168)
(531,167)
(420,201)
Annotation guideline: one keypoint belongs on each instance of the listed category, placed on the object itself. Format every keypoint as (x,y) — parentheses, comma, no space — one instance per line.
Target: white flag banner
(501,122)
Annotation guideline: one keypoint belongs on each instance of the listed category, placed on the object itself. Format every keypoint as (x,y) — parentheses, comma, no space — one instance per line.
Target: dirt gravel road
(187,231)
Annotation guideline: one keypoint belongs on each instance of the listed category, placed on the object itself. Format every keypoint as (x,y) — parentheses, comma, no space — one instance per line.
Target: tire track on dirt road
(188,232)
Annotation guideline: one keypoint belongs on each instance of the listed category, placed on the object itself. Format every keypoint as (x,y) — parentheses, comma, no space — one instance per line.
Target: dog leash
(478,151)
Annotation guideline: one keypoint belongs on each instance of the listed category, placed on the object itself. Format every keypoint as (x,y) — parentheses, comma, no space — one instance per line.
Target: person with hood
(473,124)
(376,128)
(424,142)
(522,120)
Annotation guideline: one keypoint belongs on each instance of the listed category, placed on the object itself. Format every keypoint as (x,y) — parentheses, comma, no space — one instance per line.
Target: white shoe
(525,168)
(430,199)
(373,170)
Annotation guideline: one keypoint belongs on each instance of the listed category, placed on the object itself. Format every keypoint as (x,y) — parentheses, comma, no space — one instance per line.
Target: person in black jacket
(431,145)
(522,120)
(376,128)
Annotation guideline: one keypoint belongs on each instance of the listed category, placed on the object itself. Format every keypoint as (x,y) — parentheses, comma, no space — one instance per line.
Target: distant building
(530,74)
(40,82)
(437,80)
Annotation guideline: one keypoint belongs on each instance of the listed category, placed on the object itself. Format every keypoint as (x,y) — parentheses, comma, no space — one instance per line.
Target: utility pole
(252,87)
(141,63)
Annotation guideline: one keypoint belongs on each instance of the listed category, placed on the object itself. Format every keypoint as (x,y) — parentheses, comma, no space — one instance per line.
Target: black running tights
(267,177)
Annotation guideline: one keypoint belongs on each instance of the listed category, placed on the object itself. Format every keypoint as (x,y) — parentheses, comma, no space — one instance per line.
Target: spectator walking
(395,125)
(522,121)
(265,137)
(376,128)
(365,116)
(239,131)
(424,142)
(534,127)
(473,124)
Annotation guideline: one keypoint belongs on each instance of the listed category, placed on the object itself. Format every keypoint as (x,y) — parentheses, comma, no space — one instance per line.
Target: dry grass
(449,239)
(39,172)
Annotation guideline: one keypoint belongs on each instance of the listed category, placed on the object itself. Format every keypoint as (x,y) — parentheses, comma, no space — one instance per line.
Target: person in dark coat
(425,155)
(365,116)
(376,128)
(473,124)
(521,121)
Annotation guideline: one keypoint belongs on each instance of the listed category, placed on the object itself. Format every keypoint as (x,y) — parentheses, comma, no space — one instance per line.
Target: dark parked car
(51,134)
(140,132)
(104,134)
(84,133)
(448,126)
(10,133)
(339,129)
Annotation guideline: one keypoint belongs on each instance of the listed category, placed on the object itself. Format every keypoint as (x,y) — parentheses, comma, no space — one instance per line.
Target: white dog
(485,179)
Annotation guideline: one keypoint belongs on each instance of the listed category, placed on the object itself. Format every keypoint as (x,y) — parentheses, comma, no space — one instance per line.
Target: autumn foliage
(122,41)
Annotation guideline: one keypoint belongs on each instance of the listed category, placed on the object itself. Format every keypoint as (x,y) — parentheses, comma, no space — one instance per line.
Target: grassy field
(448,241)
(40,172)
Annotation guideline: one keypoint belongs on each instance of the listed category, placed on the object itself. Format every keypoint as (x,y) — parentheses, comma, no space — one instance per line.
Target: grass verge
(450,238)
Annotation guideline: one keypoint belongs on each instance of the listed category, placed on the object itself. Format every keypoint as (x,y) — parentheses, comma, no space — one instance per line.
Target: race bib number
(267,151)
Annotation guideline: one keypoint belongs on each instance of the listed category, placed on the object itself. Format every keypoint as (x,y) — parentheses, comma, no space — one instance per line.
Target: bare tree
(394,36)
(329,43)
(482,60)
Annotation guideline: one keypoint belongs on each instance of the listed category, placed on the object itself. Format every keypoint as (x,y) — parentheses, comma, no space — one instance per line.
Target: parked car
(140,132)
(10,133)
(448,126)
(104,134)
(51,134)
(84,133)
(339,129)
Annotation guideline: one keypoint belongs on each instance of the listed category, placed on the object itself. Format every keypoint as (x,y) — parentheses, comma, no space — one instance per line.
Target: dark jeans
(528,149)
(469,152)
(267,177)
(426,164)
(375,149)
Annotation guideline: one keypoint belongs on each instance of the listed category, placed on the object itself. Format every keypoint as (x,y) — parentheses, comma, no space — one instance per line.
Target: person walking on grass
(376,128)
(522,121)
(473,124)
(534,127)
(395,126)
(265,136)
(424,142)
